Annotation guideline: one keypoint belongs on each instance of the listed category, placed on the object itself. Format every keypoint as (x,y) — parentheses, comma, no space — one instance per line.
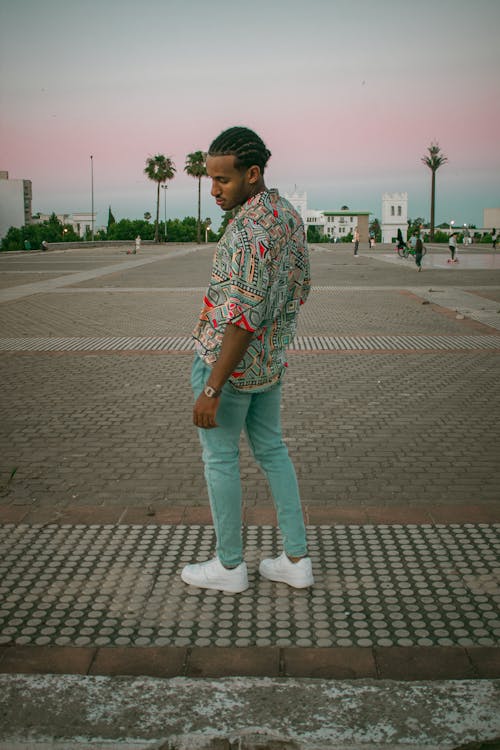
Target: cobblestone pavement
(395,440)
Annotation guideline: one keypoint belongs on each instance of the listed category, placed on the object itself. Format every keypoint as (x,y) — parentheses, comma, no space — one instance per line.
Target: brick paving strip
(384,663)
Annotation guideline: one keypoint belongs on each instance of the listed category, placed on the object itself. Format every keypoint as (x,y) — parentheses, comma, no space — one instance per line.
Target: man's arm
(235,342)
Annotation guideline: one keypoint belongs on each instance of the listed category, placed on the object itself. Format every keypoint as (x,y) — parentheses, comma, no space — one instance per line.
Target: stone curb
(407,663)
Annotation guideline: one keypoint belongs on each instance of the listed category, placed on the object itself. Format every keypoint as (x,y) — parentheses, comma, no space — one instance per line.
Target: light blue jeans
(259,415)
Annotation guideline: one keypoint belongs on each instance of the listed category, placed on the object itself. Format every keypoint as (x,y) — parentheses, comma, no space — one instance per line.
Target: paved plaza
(394,435)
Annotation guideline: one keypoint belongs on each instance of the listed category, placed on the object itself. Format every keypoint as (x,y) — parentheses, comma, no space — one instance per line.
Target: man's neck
(259,187)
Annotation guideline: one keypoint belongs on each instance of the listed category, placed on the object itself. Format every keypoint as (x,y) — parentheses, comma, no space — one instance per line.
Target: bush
(127,229)
(178,230)
(486,239)
(440,237)
(313,234)
(51,231)
(347,238)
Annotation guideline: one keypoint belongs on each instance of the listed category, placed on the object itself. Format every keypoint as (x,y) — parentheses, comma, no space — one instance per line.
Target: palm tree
(434,160)
(195,167)
(160,169)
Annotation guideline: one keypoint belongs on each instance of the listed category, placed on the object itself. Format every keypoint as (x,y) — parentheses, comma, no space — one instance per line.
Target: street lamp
(92,191)
(208,224)
(164,187)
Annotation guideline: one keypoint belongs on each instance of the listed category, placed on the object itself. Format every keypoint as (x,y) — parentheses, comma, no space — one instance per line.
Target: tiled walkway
(403,590)
(104,585)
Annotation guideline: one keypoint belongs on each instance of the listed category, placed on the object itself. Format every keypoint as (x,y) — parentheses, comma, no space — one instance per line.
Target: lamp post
(165,187)
(92,192)
(208,224)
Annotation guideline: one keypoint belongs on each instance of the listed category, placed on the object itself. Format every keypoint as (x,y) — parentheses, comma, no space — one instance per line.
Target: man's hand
(234,345)
(204,412)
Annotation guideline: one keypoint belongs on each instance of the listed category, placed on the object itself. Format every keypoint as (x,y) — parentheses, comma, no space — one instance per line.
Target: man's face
(231,187)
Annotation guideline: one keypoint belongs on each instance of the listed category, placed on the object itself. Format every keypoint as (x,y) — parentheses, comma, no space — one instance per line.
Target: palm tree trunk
(433,202)
(198,226)
(157,223)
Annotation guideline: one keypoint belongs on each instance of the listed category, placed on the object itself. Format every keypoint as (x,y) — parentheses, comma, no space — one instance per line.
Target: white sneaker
(299,574)
(213,575)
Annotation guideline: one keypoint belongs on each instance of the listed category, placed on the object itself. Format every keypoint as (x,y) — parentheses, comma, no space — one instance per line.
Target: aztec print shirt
(260,277)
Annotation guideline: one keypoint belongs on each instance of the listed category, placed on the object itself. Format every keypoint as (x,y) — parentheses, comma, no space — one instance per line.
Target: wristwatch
(211,392)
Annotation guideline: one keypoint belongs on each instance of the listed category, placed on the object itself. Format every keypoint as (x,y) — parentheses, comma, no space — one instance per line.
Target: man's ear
(253,174)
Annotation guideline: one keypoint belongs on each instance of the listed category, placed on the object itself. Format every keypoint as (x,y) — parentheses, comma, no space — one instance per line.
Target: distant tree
(51,231)
(313,234)
(195,167)
(414,226)
(182,230)
(228,215)
(375,230)
(159,168)
(434,159)
(128,229)
(147,216)
(111,218)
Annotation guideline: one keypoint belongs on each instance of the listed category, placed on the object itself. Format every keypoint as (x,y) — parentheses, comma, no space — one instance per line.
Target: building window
(392,210)
(399,210)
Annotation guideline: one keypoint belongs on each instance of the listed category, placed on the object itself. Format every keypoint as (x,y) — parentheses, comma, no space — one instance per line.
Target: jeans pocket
(199,375)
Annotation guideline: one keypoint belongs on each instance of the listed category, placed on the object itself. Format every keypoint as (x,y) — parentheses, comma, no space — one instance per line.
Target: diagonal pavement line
(49,285)
(463,303)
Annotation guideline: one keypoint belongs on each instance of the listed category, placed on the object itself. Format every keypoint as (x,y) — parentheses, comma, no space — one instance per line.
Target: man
(356,241)
(452,247)
(260,277)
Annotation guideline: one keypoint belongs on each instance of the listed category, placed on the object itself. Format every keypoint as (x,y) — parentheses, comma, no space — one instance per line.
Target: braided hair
(242,143)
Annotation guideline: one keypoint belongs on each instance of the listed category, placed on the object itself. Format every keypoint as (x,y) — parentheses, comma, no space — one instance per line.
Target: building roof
(346,213)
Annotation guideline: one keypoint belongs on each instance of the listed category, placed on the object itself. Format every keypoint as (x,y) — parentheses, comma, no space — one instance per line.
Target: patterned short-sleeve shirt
(260,277)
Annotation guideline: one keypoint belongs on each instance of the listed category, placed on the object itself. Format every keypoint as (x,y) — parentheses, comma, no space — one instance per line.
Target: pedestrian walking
(356,241)
(494,238)
(260,277)
(401,244)
(452,246)
(419,250)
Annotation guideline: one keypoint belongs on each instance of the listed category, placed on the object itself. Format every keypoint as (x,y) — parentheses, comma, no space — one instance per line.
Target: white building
(339,224)
(81,222)
(394,216)
(15,203)
(298,200)
(491,218)
(333,224)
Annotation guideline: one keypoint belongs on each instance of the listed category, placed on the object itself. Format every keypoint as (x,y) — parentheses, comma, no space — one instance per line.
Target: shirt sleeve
(249,276)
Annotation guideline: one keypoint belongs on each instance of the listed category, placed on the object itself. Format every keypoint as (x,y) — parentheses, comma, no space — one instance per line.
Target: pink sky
(346,95)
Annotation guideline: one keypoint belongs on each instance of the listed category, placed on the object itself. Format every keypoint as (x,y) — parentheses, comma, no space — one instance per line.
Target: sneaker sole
(213,587)
(289,583)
